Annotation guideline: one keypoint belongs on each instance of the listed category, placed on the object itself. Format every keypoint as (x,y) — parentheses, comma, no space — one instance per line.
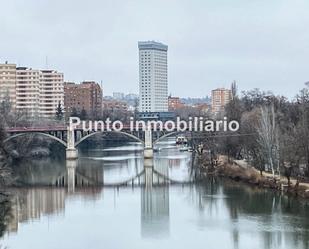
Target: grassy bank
(240,171)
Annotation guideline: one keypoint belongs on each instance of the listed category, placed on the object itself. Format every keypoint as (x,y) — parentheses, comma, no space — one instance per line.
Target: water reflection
(114,165)
(32,203)
(217,213)
(5,215)
(146,212)
(71,175)
(172,162)
(154,207)
(107,165)
(281,220)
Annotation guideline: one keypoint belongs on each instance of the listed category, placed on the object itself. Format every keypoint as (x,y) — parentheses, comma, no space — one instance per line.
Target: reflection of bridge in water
(153,177)
(150,174)
(153,181)
(36,202)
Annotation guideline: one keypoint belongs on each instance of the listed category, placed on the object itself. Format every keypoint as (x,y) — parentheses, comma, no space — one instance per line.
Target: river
(146,212)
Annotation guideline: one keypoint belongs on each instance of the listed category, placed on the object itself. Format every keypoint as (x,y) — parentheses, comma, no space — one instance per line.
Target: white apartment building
(8,83)
(51,92)
(27,90)
(153,84)
(36,92)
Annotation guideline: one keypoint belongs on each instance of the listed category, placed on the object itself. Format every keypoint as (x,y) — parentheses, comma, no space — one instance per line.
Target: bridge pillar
(71,151)
(148,150)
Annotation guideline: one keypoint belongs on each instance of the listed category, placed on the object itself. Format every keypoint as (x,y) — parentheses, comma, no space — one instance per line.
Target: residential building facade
(35,92)
(84,96)
(114,105)
(219,98)
(51,92)
(203,108)
(28,91)
(174,103)
(8,83)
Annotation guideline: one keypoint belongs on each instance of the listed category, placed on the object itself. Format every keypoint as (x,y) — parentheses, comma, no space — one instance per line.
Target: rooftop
(152,45)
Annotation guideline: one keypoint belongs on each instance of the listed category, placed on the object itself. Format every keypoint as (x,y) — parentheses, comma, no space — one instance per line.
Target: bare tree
(268,136)
(5,171)
(303,127)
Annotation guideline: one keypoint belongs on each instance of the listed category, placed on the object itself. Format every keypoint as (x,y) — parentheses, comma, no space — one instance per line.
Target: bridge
(71,138)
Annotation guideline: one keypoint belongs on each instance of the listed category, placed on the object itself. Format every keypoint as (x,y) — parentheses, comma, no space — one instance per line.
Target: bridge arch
(118,132)
(36,133)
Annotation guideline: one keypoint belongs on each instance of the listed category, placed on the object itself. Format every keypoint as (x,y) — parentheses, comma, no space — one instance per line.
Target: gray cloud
(258,43)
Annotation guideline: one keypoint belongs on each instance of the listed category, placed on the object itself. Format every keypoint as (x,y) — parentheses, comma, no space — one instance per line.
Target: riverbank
(239,170)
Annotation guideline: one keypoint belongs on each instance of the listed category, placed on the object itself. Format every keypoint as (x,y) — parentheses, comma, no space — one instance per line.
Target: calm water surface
(99,214)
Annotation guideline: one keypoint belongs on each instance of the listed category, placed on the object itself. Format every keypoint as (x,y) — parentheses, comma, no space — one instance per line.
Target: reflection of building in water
(33,203)
(155,211)
(90,173)
(174,162)
(161,165)
(154,208)
(175,165)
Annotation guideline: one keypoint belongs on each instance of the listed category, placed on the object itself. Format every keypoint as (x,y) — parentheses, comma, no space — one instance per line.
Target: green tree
(83,114)
(5,107)
(59,111)
(234,89)
(74,112)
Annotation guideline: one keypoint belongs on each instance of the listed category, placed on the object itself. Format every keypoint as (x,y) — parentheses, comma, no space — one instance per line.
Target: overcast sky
(258,43)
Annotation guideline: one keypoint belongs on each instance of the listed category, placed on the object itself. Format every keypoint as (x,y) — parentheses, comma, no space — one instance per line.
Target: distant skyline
(259,43)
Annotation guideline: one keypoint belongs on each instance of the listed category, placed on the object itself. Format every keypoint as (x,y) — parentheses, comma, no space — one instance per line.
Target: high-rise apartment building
(51,92)
(220,97)
(8,83)
(85,96)
(36,92)
(153,86)
(28,90)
